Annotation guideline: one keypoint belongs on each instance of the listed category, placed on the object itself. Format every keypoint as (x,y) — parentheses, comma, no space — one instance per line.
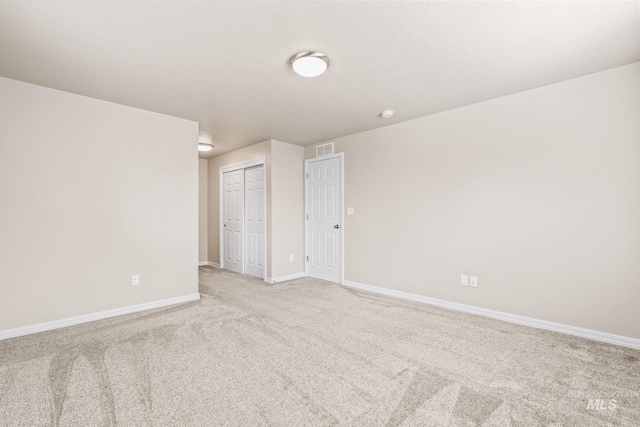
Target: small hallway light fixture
(309,63)
(386,114)
(205,146)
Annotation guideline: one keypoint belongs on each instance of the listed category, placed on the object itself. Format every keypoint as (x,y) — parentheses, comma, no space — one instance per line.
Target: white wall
(287,208)
(203,177)
(537,194)
(92,193)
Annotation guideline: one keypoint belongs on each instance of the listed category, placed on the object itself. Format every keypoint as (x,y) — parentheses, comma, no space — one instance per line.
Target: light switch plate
(350,211)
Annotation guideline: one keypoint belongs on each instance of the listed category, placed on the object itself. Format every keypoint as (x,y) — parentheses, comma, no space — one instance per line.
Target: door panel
(233,187)
(324,225)
(330,200)
(331,253)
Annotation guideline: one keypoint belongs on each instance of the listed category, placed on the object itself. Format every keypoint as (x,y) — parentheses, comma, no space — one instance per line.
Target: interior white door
(233,219)
(324,223)
(254,229)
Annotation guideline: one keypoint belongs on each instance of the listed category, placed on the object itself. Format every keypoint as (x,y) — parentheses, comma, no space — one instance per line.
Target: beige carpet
(312,353)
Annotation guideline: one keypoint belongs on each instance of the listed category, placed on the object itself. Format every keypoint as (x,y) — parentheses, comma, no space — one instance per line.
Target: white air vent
(323,149)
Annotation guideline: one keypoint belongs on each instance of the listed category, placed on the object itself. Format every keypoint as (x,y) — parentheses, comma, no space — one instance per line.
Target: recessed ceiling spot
(205,146)
(386,114)
(309,63)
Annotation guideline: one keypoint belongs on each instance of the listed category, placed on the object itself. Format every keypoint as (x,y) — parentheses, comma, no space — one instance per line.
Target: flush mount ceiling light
(309,63)
(386,114)
(205,146)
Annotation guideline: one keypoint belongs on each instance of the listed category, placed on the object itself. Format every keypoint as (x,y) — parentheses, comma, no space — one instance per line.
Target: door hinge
(307,174)
(307,258)
(307,216)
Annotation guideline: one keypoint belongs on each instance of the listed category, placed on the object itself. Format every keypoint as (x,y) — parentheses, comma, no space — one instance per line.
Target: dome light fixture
(205,146)
(386,114)
(309,63)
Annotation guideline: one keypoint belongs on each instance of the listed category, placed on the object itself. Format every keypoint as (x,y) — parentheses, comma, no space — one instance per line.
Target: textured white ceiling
(224,64)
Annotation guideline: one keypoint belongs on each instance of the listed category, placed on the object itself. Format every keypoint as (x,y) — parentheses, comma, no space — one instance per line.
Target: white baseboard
(507,317)
(209,263)
(284,278)
(76,320)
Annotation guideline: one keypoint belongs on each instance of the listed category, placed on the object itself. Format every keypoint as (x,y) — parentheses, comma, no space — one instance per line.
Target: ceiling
(224,64)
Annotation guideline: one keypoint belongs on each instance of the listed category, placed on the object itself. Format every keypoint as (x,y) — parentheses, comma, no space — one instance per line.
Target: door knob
(336,226)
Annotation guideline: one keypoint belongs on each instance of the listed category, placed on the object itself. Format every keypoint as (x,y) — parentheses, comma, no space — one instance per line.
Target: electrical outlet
(464,280)
(135,280)
(473,282)
(290,258)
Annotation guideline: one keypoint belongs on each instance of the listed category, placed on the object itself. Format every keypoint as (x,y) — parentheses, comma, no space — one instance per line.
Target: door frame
(306,210)
(254,161)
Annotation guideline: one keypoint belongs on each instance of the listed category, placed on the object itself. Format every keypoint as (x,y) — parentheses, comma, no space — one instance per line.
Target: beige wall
(535,193)
(285,203)
(92,193)
(203,177)
(287,208)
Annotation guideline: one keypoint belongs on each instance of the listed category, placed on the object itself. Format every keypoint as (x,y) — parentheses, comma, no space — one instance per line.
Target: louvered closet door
(233,210)
(254,231)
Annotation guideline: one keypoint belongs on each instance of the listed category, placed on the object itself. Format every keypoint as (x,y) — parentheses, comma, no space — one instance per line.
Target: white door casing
(324,218)
(254,220)
(233,188)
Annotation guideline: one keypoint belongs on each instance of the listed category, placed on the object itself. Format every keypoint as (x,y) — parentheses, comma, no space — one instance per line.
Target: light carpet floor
(312,353)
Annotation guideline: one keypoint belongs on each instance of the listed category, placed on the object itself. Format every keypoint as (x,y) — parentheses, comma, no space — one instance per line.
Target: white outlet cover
(474,282)
(135,280)
(464,280)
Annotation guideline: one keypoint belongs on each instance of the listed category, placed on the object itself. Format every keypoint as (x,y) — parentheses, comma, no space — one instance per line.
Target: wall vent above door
(323,149)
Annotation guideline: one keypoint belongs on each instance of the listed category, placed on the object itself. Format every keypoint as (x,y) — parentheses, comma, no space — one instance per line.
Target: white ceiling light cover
(205,146)
(309,63)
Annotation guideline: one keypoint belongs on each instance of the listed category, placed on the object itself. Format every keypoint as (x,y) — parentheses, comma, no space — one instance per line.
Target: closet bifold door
(233,225)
